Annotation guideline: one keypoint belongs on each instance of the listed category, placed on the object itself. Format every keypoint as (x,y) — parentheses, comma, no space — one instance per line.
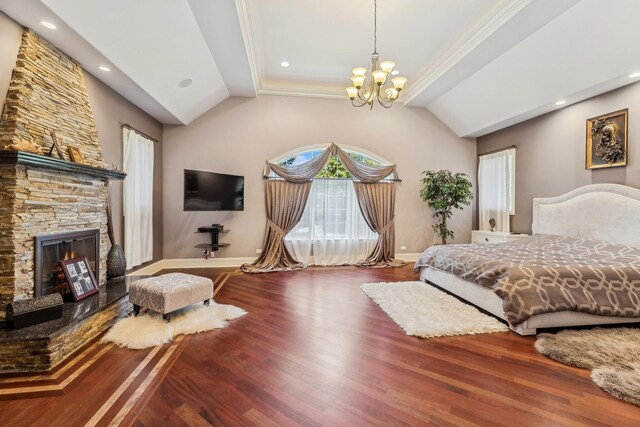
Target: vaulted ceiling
(478,65)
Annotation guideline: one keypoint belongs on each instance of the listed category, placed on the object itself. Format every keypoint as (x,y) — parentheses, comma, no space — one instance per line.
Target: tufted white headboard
(608,212)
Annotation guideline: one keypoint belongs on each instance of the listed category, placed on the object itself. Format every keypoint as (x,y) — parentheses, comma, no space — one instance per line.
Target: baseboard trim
(219,263)
(191,263)
(409,256)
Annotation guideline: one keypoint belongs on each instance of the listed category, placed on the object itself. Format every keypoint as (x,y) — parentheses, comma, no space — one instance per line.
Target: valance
(305,172)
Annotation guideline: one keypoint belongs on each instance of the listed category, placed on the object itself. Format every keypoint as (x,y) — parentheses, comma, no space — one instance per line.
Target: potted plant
(443,192)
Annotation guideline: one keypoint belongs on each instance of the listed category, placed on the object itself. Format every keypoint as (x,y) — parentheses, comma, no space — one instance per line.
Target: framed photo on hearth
(79,277)
(76,155)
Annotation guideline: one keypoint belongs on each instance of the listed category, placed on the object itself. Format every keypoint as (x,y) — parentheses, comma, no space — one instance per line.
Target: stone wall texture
(42,202)
(50,202)
(47,93)
(7,251)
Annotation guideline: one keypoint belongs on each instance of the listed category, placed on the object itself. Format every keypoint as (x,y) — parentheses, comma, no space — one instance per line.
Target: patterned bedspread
(546,273)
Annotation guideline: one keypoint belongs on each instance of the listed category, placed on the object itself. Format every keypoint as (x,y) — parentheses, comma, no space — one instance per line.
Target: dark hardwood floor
(315,350)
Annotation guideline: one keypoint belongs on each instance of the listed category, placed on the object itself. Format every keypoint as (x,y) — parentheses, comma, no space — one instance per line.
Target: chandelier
(369,82)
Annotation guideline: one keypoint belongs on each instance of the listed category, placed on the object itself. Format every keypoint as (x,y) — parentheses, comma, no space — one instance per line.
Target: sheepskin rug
(613,355)
(426,312)
(149,330)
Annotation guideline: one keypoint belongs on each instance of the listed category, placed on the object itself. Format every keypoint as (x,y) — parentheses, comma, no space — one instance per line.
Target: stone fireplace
(50,205)
(37,200)
(43,195)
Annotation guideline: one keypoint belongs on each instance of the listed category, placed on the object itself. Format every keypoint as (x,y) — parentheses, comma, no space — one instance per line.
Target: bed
(581,266)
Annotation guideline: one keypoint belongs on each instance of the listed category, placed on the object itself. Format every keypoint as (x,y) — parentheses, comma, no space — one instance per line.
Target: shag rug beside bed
(613,355)
(149,330)
(426,312)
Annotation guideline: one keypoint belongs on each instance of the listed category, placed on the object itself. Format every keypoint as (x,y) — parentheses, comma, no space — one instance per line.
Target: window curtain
(332,225)
(496,189)
(377,202)
(285,205)
(138,197)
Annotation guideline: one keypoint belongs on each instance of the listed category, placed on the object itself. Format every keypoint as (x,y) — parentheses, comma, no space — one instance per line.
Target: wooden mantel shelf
(10,157)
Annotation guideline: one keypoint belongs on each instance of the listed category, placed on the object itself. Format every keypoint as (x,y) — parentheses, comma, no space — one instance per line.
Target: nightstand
(481,236)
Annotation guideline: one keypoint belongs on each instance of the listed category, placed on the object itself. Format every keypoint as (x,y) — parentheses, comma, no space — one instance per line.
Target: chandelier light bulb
(359,71)
(392,94)
(352,92)
(379,77)
(399,82)
(358,81)
(387,66)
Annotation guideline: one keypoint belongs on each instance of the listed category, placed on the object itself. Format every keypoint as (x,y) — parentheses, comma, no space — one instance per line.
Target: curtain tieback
(276,228)
(386,227)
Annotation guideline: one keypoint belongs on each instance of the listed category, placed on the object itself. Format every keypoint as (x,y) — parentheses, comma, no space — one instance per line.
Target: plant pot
(116,262)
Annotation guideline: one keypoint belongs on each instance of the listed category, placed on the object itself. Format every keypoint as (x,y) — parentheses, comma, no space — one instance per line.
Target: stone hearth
(42,347)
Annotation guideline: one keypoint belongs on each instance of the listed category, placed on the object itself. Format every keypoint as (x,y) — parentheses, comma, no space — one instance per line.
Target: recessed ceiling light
(634,75)
(48,25)
(104,68)
(185,83)
(395,72)
(284,64)
(561,102)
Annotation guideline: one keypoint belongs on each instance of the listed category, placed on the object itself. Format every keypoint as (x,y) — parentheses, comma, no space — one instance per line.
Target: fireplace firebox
(50,249)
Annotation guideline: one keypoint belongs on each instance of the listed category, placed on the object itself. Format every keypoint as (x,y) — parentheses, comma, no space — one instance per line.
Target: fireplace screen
(50,249)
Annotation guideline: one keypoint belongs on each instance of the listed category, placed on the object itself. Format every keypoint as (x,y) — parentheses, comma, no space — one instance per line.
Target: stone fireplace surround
(40,195)
(51,195)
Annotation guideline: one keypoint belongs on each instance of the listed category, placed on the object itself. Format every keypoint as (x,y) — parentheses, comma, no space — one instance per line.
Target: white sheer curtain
(332,228)
(138,197)
(496,188)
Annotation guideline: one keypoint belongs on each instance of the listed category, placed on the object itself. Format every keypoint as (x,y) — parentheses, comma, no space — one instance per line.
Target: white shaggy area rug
(424,311)
(149,330)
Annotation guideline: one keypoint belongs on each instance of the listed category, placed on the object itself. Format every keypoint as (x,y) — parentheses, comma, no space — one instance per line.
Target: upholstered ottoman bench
(169,292)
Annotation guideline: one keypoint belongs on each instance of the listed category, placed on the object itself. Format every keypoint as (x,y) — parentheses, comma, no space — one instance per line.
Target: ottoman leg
(166,317)
(136,309)
(207,302)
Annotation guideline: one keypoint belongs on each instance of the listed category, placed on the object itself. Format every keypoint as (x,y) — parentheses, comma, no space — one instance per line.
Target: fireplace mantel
(12,157)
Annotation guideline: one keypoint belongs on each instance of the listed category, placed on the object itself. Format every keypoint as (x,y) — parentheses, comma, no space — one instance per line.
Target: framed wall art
(79,277)
(607,140)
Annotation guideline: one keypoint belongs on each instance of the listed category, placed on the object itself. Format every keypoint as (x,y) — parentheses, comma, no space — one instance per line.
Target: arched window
(333,168)
(332,229)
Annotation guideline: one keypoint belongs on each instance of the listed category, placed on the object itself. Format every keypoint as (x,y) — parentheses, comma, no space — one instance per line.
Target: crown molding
(309,93)
(299,91)
(246,28)
(465,45)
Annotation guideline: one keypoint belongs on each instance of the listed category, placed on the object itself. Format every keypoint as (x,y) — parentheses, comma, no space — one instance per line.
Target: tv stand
(214,231)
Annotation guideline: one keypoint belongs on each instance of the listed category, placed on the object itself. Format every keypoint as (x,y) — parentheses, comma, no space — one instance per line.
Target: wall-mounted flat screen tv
(209,191)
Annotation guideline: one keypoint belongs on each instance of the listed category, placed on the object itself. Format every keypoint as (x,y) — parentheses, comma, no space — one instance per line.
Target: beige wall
(239,135)
(111,111)
(550,157)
